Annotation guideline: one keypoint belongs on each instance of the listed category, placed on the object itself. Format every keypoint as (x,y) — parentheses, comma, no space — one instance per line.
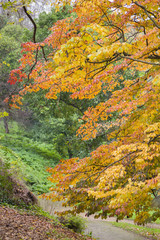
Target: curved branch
(108,166)
(141,61)
(33,22)
(36,58)
(147,12)
(71,104)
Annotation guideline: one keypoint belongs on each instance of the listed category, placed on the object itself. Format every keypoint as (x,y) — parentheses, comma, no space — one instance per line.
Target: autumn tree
(10,46)
(89,53)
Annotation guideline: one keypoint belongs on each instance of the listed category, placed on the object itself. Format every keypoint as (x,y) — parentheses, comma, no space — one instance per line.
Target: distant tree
(10,52)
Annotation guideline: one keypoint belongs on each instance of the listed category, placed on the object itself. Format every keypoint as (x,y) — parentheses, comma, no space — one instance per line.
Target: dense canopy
(110,48)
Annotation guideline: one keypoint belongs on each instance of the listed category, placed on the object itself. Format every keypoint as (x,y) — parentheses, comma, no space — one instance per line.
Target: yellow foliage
(108,53)
(3,114)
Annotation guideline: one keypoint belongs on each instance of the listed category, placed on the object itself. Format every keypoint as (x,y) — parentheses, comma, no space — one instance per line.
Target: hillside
(27,158)
(16,225)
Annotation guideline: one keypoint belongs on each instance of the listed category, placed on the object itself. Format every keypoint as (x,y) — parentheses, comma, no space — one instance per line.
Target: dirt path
(113,219)
(100,229)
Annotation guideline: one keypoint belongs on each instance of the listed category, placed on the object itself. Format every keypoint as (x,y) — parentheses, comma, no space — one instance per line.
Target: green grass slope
(27,157)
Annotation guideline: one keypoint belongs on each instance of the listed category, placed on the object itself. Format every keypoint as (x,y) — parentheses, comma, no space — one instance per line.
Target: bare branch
(33,22)
(142,61)
(31,69)
(148,12)
(71,104)
(43,52)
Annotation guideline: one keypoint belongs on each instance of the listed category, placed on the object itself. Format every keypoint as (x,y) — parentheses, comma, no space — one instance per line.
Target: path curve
(100,229)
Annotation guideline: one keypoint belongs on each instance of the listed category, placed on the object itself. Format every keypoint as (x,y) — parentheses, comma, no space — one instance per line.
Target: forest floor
(21,225)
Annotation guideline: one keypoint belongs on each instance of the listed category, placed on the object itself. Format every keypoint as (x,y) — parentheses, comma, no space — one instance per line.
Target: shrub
(6,187)
(76,223)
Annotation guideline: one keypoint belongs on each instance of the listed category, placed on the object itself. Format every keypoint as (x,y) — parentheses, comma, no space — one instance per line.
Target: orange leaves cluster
(16,75)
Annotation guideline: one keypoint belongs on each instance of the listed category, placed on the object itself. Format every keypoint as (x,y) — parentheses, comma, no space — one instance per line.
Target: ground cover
(25,225)
(28,157)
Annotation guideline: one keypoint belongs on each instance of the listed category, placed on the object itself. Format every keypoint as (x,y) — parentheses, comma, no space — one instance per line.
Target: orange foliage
(122,176)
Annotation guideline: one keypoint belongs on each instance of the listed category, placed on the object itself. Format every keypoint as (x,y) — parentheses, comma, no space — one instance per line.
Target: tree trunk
(5,120)
(70,153)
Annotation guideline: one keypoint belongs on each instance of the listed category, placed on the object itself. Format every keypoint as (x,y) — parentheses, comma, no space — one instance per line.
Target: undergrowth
(76,223)
(28,158)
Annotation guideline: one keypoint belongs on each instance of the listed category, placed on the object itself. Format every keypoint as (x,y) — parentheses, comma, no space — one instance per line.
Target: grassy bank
(29,158)
(149,233)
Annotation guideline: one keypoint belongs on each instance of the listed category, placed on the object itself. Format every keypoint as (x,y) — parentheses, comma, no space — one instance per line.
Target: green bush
(76,223)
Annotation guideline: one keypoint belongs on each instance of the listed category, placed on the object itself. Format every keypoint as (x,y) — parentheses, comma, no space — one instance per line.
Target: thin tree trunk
(5,120)
(70,153)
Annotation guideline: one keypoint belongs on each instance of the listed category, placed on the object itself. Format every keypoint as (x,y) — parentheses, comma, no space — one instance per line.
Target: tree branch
(148,12)
(33,22)
(43,52)
(110,165)
(71,104)
(31,69)
(138,60)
